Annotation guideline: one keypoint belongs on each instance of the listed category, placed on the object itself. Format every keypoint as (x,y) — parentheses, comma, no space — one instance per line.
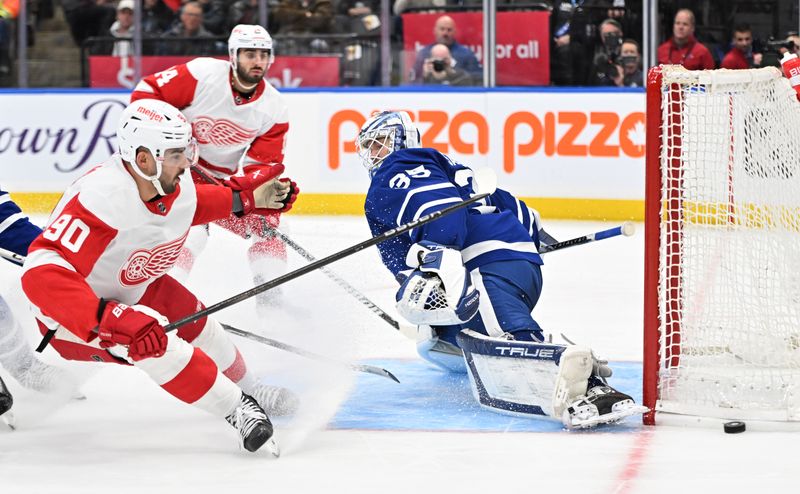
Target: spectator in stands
(156,17)
(123,28)
(358,16)
(683,48)
(606,69)
(631,61)
(741,55)
(8,12)
(214,16)
(441,69)
(571,47)
(246,12)
(190,25)
(445,33)
(304,16)
(88,18)
(401,6)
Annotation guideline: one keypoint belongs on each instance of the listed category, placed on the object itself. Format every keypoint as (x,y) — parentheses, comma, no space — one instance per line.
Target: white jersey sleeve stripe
(425,188)
(5,198)
(42,257)
(487,246)
(11,220)
(144,87)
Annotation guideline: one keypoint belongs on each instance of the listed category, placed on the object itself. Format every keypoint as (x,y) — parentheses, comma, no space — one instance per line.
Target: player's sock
(275,400)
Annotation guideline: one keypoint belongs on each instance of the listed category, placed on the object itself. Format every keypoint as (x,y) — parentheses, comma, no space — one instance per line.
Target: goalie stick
(350,289)
(369,369)
(626,229)
(387,235)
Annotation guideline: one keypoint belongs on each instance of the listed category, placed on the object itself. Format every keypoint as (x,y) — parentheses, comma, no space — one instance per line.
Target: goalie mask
(156,126)
(383,134)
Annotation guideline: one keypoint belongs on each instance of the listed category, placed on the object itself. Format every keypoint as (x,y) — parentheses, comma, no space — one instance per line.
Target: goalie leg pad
(524,377)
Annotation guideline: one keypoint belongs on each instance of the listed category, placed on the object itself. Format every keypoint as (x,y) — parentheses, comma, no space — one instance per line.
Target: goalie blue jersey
(411,183)
(16,232)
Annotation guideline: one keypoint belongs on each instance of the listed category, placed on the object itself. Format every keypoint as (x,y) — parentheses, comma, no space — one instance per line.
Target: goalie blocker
(529,378)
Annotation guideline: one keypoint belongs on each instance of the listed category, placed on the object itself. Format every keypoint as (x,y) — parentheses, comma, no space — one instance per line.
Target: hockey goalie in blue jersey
(470,281)
(16,357)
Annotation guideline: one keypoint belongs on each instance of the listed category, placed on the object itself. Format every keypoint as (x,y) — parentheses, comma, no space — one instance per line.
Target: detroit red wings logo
(220,132)
(145,264)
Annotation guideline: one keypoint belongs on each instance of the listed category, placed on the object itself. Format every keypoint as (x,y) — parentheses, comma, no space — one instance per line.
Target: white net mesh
(729,268)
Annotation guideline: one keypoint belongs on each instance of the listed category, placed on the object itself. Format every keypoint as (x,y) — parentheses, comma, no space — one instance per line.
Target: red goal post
(722,248)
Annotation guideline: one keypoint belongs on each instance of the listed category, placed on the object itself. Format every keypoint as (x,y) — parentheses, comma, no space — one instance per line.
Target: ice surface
(358,435)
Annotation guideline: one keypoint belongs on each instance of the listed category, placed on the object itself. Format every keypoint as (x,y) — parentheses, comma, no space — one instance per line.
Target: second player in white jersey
(240,122)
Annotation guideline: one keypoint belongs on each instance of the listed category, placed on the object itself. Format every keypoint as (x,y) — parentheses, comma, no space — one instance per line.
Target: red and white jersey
(103,241)
(225,125)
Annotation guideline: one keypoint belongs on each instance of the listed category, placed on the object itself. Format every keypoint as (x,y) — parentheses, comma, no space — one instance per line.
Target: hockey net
(722,247)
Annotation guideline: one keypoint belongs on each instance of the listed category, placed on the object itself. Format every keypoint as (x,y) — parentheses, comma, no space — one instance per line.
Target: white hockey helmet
(249,36)
(156,126)
(387,130)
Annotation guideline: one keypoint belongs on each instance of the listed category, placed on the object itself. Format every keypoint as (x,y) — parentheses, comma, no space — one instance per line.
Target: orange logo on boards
(563,134)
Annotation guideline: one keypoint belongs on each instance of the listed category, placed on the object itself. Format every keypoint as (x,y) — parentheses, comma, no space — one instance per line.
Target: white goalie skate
(255,429)
(601,405)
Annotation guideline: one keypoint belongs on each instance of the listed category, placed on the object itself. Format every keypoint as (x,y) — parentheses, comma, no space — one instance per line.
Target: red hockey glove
(259,190)
(291,194)
(139,328)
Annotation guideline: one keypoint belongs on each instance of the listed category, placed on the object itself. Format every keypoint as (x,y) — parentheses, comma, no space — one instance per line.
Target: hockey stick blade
(387,235)
(350,289)
(369,369)
(626,229)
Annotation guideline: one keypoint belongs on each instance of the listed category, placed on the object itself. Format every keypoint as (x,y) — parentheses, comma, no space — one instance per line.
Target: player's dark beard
(246,78)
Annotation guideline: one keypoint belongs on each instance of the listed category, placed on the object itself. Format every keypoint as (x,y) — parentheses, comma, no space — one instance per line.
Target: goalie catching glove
(260,191)
(439,291)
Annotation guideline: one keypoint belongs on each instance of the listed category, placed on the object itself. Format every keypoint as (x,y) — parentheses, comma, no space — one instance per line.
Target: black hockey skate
(6,400)
(253,425)
(600,405)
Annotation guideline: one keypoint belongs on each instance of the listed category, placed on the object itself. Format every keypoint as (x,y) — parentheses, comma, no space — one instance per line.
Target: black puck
(734,427)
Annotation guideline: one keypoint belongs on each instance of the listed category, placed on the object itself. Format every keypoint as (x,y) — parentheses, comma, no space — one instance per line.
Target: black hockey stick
(626,229)
(369,369)
(387,235)
(310,258)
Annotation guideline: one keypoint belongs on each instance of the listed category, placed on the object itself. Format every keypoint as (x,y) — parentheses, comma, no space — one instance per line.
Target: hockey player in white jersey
(240,122)
(96,274)
(470,281)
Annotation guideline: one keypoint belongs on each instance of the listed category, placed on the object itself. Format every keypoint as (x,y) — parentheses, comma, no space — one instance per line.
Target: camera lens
(438,65)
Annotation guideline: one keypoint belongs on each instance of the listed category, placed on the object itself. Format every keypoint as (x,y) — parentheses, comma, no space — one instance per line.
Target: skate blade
(609,418)
(273,448)
(8,419)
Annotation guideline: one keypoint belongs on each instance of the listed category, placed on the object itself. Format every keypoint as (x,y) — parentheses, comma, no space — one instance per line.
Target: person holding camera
(683,48)
(444,31)
(606,70)
(630,61)
(441,69)
(741,55)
